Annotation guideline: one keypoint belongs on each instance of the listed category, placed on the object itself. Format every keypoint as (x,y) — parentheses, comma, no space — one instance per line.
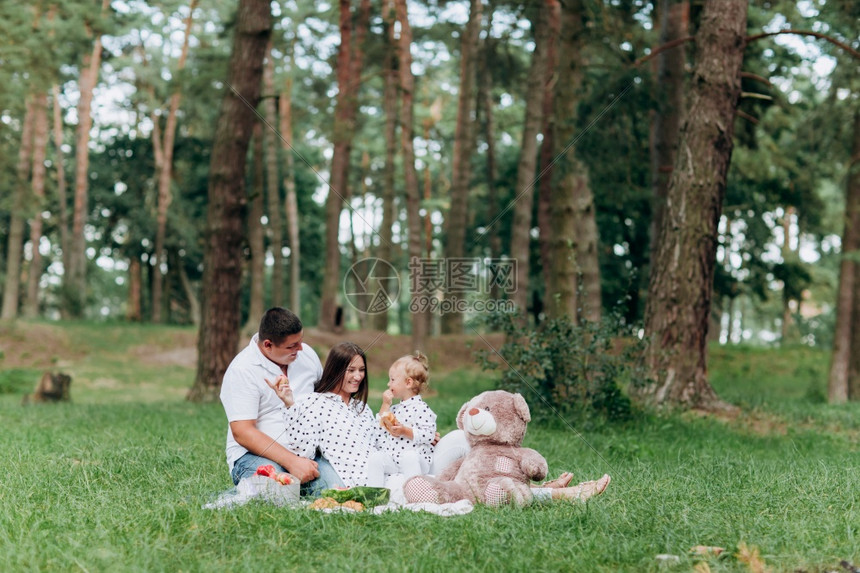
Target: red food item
(267,470)
(283,478)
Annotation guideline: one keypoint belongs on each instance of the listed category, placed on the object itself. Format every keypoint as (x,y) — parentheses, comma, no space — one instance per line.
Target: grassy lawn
(115,480)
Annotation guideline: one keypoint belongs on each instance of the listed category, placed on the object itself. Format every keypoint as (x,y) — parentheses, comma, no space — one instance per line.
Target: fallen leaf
(751,557)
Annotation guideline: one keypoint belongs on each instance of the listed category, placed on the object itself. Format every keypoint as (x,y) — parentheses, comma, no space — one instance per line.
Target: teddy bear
(497,469)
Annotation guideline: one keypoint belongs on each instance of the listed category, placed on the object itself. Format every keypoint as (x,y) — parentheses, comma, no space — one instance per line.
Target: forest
(687,169)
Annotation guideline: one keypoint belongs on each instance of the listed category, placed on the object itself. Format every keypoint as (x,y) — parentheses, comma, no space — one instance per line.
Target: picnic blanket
(268,490)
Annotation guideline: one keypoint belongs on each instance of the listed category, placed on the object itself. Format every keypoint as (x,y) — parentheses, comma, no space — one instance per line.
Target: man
(255,432)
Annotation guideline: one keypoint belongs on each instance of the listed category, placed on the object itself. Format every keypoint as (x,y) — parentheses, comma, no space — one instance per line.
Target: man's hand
(281,386)
(303,468)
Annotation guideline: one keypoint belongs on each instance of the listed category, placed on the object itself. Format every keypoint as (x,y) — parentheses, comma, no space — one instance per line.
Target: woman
(336,420)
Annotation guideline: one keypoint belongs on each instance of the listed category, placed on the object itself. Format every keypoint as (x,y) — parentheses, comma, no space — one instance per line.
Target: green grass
(115,481)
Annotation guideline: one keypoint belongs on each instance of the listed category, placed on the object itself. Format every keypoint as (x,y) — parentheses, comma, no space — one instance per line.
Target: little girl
(409,441)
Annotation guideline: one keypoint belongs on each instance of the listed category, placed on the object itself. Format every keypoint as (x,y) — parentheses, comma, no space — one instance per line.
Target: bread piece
(387,420)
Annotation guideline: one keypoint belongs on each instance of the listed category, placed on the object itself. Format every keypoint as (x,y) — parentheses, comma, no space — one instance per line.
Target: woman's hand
(281,386)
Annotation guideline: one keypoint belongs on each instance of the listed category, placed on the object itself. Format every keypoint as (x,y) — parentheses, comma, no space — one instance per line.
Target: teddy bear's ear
(522,408)
(461,413)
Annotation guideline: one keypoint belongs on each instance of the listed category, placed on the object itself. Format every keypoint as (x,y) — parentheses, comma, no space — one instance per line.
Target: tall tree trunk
(787,255)
(389,107)
(165,174)
(573,288)
(494,240)
(59,161)
(273,190)
(75,279)
(524,191)
(217,340)
(15,239)
(348,78)
(40,148)
(420,315)
(670,65)
(285,108)
(547,149)
(461,159)
(187,287)
(135,282)
(256,241)
(846,337)
(682,271)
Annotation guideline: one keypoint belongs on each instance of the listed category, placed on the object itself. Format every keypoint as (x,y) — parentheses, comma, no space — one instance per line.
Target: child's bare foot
(584,490)
(561,481)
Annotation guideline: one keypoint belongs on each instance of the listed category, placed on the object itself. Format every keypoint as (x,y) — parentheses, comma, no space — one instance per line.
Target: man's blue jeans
(248,464)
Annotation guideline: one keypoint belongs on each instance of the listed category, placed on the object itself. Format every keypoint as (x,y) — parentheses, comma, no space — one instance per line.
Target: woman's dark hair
(336,365)
(277,324)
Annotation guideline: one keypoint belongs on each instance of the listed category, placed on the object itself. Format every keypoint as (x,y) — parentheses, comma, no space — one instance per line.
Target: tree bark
(59,157)
(256,242)
(273,190)
(573,288)
(669,100)
(524,191)
(285,109)
(222,268)
(348,79)
(389,107)
(547,149)
(40,148)
(452,322)
(846,336)
(15,239)
(787,255)
(75,279)
(420,316)
(165,174)
(485,108)
(682,271)
(135,282)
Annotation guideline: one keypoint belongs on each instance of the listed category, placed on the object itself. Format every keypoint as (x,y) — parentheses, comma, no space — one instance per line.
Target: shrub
(17,380)
(567,370)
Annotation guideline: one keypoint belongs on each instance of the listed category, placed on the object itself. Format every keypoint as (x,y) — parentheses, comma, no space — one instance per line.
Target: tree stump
(51,388)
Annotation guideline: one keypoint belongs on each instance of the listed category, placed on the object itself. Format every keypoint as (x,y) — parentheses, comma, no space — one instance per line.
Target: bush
(17,380)
(566,370)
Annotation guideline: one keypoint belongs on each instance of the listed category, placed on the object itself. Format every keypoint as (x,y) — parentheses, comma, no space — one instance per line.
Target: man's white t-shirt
(246,396)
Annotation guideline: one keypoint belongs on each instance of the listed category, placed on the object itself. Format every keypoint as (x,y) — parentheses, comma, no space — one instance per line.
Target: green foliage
(575,372)
(17,380)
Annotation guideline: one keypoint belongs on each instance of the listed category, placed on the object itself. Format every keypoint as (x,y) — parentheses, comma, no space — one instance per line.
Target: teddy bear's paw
(419,490)
(495,495)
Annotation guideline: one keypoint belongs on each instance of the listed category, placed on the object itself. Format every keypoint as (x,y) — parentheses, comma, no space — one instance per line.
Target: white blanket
(257,487)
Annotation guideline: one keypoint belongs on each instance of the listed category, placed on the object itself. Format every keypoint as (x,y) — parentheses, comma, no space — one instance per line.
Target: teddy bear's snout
(479,422)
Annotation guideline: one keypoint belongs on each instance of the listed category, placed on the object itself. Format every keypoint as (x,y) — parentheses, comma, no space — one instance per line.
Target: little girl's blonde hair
(416,367)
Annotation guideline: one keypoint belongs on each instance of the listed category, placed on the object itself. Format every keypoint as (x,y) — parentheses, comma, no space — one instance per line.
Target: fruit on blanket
(369,496)
(267,470)
(283,478)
